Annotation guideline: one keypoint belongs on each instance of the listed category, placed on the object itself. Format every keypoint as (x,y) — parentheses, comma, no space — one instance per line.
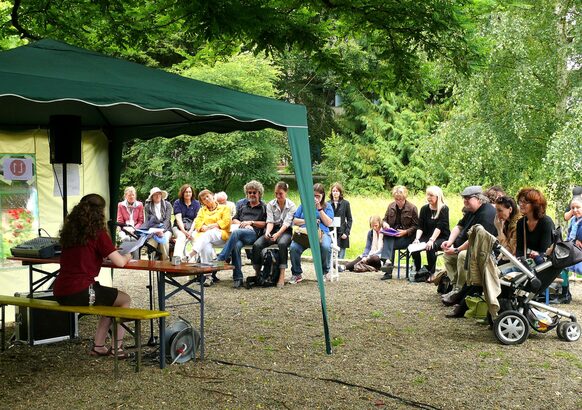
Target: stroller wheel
(511,327)
(569,331)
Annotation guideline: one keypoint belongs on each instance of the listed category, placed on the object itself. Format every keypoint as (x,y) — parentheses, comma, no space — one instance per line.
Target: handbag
(301,238)
(477,307)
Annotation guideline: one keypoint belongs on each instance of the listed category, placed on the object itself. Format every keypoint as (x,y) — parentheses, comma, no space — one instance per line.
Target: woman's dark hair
(320,190)
(536,199)
(282,186)
(508,202)
(494,192)
(183,189)
(84,222)
(340,188)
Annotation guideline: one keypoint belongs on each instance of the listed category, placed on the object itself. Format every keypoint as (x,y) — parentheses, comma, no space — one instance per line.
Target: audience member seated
(212,225)
(324,216)
(250,220)
(341,209)
(402,216)
(477,210)
(534,229)
(131,214)
(280,213)
(158,214)
(86,242)
(185,211)
(507,215)
(494,192)
(574,234)
(221,198)
(433,226)
(576,191)
(373,249)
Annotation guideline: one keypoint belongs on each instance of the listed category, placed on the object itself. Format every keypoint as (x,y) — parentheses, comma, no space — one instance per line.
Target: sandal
(97,353)
(121,354)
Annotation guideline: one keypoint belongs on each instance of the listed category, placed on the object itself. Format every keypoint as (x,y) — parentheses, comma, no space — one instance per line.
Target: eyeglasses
(469,197)
(252,192)
(523,202)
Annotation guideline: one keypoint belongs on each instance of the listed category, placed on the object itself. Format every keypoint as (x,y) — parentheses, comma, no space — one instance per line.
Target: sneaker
(208,282)
(327,277)
(341,268)
(295,279)
(387,275)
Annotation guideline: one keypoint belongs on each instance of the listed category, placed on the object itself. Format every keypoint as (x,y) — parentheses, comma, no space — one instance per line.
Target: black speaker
(65,139)
(47,326)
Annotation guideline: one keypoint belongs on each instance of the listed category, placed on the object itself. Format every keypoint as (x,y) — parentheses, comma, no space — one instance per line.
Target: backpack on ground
(269,270)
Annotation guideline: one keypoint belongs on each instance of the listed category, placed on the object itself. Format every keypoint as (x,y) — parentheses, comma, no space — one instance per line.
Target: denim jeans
(233,246)
(295,251)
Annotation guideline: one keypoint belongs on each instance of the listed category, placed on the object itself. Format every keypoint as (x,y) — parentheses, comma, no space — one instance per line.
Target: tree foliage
(213,161)
(163,32)
(506,113)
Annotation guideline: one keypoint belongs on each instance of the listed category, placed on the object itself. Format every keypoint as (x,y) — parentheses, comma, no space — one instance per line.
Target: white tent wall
(93,178)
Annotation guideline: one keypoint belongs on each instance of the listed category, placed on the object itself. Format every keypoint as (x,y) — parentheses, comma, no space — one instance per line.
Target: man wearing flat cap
(478,211)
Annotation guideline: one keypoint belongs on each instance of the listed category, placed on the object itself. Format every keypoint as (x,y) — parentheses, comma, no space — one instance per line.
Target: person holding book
(399,224)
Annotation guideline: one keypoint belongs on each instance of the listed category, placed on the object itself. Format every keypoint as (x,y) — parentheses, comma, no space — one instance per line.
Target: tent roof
(49,77)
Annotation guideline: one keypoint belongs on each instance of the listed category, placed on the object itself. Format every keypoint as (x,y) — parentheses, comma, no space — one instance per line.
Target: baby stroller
(519,311)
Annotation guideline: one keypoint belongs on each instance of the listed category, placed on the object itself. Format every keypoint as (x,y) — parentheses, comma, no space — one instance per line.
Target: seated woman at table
(85,243)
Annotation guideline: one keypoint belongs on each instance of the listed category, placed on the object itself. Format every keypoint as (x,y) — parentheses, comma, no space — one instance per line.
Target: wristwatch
(456,251)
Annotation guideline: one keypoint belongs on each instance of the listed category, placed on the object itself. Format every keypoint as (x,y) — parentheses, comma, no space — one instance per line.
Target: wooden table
(166,275)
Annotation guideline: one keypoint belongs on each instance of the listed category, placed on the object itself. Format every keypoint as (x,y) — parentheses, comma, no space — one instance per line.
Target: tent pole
(299,143)
(65,191)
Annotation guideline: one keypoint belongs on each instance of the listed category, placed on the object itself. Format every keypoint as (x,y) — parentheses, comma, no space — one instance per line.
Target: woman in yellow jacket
(212,226)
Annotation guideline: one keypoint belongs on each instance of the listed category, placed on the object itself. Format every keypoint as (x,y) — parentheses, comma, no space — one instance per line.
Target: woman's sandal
(121,354)
(96,353)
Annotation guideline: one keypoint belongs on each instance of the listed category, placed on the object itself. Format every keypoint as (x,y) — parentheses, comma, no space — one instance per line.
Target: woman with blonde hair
(373,249)
(433,226)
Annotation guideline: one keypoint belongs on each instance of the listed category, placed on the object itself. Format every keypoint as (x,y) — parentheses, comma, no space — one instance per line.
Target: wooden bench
(118,315)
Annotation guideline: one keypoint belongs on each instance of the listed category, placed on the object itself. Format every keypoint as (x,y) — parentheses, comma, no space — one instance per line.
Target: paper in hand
(130,246)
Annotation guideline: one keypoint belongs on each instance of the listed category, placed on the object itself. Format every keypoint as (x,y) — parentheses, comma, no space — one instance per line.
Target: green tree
(506,113)
(213,161)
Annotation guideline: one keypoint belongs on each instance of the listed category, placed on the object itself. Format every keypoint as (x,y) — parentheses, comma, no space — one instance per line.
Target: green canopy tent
(127,100)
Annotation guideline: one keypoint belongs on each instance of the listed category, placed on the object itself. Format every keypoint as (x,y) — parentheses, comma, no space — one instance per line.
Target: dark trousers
(431,256)
(391,243)
(283,243)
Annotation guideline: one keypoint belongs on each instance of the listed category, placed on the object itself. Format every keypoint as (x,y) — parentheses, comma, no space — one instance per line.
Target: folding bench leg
(3,328)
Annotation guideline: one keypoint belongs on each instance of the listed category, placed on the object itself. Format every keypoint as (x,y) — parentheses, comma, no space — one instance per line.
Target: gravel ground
(392,348)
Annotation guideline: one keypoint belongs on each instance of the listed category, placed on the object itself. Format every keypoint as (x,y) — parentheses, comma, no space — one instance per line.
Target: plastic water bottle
(91,295)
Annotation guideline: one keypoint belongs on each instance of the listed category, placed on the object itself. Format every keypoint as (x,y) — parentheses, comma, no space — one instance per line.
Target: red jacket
(123,213)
